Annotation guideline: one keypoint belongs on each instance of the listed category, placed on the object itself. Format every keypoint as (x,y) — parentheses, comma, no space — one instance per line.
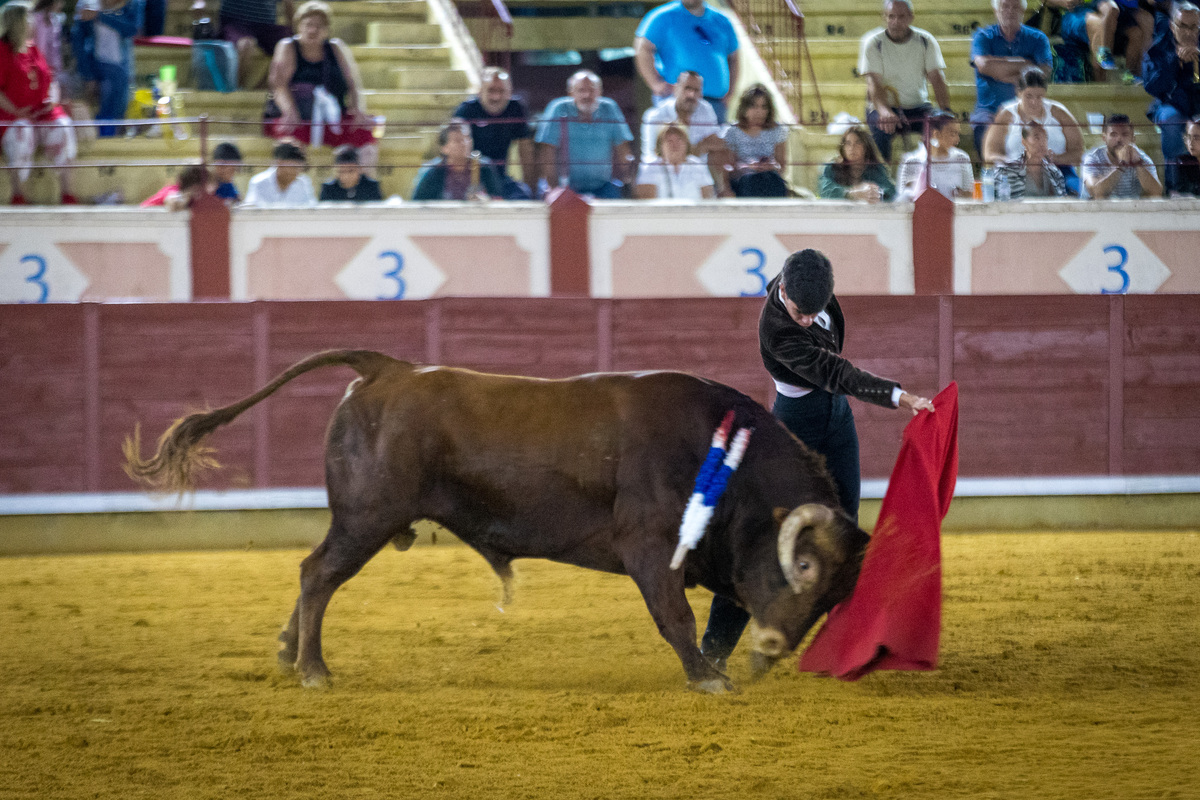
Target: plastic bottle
(988,178)
(1003,190)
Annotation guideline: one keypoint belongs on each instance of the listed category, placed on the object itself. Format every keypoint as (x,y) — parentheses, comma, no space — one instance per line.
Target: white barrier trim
(299,498)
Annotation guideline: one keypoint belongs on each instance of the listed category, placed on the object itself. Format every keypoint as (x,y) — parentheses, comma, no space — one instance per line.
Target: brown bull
(593,471)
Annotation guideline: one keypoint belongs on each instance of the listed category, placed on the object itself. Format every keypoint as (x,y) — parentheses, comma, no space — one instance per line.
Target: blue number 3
(756,271)
(38,278)
(394,274)
(1118,268)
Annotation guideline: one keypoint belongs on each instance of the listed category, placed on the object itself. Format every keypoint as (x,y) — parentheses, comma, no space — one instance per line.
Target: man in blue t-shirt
(688,35)
(1000,53)
(597,136)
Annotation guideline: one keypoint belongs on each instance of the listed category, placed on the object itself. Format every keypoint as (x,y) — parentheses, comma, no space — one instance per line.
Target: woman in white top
(1065,138)
(950,167)
(674,175)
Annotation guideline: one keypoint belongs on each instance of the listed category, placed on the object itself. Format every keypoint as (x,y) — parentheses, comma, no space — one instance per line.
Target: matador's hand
(914,403)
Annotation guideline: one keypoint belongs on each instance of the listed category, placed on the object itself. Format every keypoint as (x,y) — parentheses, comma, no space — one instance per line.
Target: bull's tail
(182,452)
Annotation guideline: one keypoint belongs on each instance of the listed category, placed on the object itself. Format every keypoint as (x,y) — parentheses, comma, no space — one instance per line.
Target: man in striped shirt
(1119,168)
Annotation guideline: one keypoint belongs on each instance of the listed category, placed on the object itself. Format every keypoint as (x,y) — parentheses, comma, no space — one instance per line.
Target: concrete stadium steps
(836,59)
(386,33)
(415,109)
(350,17)
(942,18)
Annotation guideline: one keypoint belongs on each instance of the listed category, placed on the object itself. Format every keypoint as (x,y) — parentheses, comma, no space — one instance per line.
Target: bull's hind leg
(346,548)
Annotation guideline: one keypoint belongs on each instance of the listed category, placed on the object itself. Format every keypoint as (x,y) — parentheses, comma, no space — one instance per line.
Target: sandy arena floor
(1070,670)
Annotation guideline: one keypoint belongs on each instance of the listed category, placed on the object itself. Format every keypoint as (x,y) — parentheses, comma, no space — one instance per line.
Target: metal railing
(777,30)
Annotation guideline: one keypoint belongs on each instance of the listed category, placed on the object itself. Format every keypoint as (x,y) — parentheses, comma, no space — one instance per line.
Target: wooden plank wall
(1056,385)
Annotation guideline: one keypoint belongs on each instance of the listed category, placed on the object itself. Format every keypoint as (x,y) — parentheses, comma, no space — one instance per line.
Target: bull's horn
(811,514)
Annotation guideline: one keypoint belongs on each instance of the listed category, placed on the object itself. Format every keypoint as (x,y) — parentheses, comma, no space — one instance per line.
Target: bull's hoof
(314,677)
(721,685)
(287,662)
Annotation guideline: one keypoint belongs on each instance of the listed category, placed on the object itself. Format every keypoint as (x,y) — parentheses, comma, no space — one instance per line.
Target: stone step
(830,18)
(836,59)
(391,33)
(350,17)
(407,78)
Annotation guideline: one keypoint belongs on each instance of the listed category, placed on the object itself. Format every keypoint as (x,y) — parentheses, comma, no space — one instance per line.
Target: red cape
(894,618)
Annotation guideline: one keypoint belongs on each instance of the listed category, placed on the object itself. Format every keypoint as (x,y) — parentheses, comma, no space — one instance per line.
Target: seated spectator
(316,88)
(349,183)
(597,159)
(1171,69)
(950,168)
(858,173)
(29,96)
(689,108)
(192,182)
(283,184)
(460,174)
(1004,137)
(227,159)
(497,120)
(1000,53)
(1187,171)
(46,27)
(1100,26)
(1033,174)
(250,23)
(675,174)
(756,148)
(897,60)
(1119,168)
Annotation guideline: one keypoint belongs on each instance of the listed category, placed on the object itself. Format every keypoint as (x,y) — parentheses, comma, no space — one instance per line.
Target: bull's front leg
(663,590)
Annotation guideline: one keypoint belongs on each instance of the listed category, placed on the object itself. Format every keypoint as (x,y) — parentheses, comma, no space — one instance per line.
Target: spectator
(29,96)
(897,60)
(597,135)
(858,174)
(757,147)
(46,27)
(349,183)
(688,35)
(1000,53)
(113,30)
(247,23)
(675,174)
(1171,70)
(1118,168)
(154,18)
(497,120)
(307,70)
(1033,174)
(227,159)
(1004,141)
(283,184)
(1187,172)
(460,174)
(950,168)
(1099,26)
(689,108)
(191,183)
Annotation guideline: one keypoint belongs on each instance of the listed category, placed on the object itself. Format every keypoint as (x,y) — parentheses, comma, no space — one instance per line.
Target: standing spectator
(1187,172)
(675,174)
(283,183)
(691,35)
(112,50)
(227,159)
(858,174)
(1119,168)
(349,184)
(1098,26)
(1033,174)
(248,23)
(154,18)
(497,120)
(1000,53)
(689,108)
(949,167)
(897,60)
(1171,70)
(1005,142)
(28,96)
(597,135)
(309,65)
(46,25)
(757,145)
(460,174)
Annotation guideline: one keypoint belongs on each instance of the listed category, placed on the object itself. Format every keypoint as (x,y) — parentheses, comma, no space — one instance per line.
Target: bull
(593,471)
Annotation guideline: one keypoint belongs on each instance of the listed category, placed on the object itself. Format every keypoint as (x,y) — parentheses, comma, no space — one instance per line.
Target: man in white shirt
(689,108)
(897,61)
(284,183)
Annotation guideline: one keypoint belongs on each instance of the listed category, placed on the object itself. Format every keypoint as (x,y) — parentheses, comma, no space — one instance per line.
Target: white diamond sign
(1115,262)
(743,264)
(390,268)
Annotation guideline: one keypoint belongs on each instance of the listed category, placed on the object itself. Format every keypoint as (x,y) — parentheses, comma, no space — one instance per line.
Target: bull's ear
(780,514)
